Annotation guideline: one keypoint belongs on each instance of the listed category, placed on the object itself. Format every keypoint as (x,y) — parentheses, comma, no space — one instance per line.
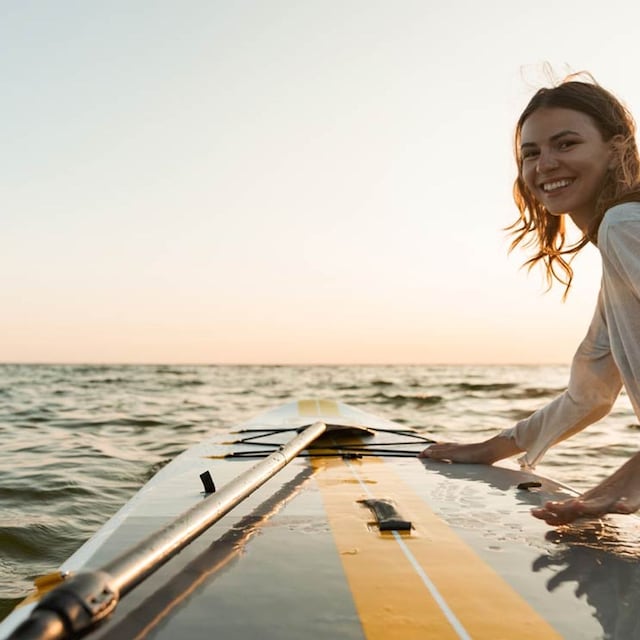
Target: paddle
(85,599)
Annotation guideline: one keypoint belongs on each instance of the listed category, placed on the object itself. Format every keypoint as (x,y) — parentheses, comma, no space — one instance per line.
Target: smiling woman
(577,156)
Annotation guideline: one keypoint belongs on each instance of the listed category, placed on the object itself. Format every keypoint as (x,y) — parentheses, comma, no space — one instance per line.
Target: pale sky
(283,181)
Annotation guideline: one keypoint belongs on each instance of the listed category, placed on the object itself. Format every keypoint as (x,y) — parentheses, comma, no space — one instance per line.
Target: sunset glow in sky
(281,181)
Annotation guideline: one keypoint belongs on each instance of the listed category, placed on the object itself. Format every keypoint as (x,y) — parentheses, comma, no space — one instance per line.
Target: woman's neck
(583,220)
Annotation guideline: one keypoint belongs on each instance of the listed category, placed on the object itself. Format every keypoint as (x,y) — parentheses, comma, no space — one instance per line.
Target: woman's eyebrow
(564,132)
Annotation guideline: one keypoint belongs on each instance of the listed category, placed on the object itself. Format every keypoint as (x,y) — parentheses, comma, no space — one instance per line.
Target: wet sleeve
(594,385)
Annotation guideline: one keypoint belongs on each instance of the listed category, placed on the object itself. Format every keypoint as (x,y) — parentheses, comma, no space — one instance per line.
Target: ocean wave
(400,399)
(533,393)
(124,422)
(194,382)
(26,540)
(107,380)
(503,390)
(481,386)
(47,488)
(30,549)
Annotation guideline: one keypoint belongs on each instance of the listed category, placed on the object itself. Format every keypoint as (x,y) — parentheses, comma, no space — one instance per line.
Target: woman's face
(565,161)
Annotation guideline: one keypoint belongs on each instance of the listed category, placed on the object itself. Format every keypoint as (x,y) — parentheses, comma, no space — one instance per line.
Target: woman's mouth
(551,187)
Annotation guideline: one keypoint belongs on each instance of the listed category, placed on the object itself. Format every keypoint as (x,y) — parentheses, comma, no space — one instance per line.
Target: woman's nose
(546,162)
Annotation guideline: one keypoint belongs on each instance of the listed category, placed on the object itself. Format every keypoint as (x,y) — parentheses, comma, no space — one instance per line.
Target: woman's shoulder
(623,211)
(619,214)
(620,224)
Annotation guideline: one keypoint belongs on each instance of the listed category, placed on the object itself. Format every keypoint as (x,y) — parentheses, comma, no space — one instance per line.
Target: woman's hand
(486,452)
(619,493)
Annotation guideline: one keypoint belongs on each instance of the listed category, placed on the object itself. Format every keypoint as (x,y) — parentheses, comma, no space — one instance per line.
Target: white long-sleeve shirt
(609,355)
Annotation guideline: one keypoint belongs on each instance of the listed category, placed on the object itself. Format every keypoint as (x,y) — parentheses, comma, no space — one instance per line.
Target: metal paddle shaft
(85,599)
(135,565)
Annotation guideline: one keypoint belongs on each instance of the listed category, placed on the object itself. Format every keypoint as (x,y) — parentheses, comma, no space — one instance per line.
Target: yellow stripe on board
(391,596)
(309,408)
(328,408)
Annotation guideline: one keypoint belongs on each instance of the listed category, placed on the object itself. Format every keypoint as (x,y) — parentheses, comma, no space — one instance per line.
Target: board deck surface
(304,556)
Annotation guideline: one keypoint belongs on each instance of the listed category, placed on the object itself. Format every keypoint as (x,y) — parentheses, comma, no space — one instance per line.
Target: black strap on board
(387,516)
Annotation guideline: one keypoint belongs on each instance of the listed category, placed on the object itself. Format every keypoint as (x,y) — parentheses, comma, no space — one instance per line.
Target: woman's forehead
(547,122)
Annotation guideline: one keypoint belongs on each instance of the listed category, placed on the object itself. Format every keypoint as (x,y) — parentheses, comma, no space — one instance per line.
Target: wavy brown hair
(535,226)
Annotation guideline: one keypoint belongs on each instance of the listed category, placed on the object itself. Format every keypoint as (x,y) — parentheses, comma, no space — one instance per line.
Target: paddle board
(358,538)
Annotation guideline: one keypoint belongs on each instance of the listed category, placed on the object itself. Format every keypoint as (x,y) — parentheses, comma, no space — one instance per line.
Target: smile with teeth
(548,187)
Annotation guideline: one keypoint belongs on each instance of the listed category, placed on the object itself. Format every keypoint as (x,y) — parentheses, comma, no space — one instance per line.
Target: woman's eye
(566,144)
(529,154)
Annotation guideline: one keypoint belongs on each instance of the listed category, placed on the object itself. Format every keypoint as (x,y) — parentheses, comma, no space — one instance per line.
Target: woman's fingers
(470,453)
(561,512)
(566,511)
(436,451)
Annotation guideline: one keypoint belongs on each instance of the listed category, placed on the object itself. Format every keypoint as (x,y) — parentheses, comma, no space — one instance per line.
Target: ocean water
(77,441)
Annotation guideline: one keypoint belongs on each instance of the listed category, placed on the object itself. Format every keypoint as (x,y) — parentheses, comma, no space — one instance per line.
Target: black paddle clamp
(70,609)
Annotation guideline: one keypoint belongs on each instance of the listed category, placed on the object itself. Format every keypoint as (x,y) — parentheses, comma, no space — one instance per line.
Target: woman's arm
(594,385)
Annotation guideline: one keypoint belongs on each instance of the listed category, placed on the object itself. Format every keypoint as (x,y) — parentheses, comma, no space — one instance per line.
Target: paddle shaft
(85,599)
(135,565)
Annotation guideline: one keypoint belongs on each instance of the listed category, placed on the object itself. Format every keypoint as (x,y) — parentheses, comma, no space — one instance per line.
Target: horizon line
(274,364)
